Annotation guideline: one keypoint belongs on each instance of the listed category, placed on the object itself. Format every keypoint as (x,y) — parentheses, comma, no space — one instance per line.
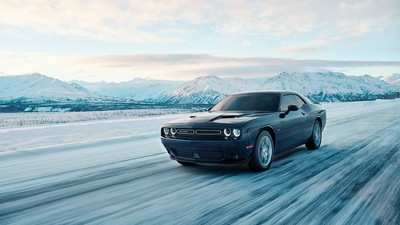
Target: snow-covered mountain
(318,86)
(331,86)
(323,87)
(140,89)
(90,86)
(392,79)
(209,89)
(37,87)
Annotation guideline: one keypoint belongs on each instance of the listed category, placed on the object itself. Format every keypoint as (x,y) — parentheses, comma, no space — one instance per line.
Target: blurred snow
(60,116)
(117,172)
(54,134)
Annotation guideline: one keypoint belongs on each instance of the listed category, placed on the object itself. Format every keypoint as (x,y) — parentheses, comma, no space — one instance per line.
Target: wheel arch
(271,131)
(254,161)
(319,120)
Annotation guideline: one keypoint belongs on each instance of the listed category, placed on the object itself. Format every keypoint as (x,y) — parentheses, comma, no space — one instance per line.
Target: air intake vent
(201,155)
(199,134)
(208,132)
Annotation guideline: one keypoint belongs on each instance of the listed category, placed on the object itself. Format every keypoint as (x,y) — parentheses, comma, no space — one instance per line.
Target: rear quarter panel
(315,111)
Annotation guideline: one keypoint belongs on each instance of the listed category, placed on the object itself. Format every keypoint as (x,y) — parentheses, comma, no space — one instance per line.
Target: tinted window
(291,100)
(299,101)
(249,102)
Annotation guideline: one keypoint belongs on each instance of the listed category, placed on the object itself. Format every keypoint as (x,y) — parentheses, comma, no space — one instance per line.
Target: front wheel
(262,153)
(316,137)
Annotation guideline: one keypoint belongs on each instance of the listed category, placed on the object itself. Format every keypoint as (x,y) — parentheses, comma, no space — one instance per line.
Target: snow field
(44,118)
(117,172)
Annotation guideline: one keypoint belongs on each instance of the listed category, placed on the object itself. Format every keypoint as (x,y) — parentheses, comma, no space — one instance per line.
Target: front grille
(203,155)
(199,134)
(208,132)
(184,131)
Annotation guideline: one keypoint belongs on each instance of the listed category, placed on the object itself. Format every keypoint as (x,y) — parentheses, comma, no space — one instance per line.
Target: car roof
(278,92)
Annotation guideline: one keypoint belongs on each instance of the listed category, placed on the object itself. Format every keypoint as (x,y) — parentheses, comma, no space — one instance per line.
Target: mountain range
(392,79)
(318,86)
(37,87)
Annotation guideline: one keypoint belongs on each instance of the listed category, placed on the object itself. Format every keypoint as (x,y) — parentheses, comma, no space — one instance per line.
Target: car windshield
(249,102)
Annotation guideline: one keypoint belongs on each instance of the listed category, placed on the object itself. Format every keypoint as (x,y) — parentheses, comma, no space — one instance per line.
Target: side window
(300,101)
(291,100)
(286,101)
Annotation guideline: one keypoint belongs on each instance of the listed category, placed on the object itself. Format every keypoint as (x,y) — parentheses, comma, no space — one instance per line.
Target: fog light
(236,132)
(173,131)
(227,132)
(235,156)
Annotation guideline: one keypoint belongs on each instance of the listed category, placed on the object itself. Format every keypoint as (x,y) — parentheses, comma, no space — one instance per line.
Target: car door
(304,127)
(293,123)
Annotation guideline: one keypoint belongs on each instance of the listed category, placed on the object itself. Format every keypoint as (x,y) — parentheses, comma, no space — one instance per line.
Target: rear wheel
(316,137)
(185,163)
(263,152)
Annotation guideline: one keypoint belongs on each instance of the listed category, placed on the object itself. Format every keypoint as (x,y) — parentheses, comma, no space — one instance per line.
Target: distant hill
(139,89)
(392,79)
(37,87)
(322,87)
(331,86)
(318,86)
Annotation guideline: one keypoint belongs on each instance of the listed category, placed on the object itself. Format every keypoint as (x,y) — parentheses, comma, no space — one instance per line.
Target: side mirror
(293,108)
(290,108)
(209,109)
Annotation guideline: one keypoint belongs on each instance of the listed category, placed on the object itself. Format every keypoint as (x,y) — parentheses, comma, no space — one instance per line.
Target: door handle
(303,113)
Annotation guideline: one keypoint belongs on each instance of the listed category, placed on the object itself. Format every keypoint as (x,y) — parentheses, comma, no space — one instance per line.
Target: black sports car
(246,128)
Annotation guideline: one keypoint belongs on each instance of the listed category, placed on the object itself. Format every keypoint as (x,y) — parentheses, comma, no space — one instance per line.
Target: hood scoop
(227,116)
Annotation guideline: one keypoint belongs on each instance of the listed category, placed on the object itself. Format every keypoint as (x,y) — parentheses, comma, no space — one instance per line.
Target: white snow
(117,172)
(60,116)
(322,86)
(328,82)
(39,87)
(139,89)
(392,79)
(327,86)
(50,134)
(210,89)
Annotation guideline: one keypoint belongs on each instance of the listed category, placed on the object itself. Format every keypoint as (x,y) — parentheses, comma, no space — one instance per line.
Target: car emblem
(196,155)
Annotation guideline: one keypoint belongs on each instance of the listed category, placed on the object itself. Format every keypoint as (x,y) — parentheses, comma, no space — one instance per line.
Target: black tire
(185,163)
(316,137)
(263,152)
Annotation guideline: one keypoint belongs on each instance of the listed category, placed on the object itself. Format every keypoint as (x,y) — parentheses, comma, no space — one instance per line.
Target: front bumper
(208,151)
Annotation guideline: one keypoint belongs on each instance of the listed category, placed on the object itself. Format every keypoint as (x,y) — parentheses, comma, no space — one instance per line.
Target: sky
(118,40)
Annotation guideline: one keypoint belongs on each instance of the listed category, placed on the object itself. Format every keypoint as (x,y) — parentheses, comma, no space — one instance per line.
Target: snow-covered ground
(116,171)
(46,117)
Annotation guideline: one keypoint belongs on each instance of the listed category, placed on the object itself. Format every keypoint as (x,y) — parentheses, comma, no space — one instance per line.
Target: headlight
(166,130)
(236,132)
(227,132)
(173,131)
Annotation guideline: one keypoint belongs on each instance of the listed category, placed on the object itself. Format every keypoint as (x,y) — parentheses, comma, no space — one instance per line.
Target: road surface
(354,178)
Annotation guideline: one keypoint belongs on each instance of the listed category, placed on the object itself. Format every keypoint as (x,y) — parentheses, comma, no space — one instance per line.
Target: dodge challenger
(246,128)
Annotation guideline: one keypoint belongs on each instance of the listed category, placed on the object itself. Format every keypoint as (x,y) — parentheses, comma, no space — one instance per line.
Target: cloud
(156,60)
(175,66)
(152,21)
(187,66)
(103,19)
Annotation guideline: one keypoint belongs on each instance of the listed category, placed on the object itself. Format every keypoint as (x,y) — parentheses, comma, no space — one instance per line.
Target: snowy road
(117,172)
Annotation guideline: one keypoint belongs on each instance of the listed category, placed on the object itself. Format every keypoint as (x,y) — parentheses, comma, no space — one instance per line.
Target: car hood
(223,118)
